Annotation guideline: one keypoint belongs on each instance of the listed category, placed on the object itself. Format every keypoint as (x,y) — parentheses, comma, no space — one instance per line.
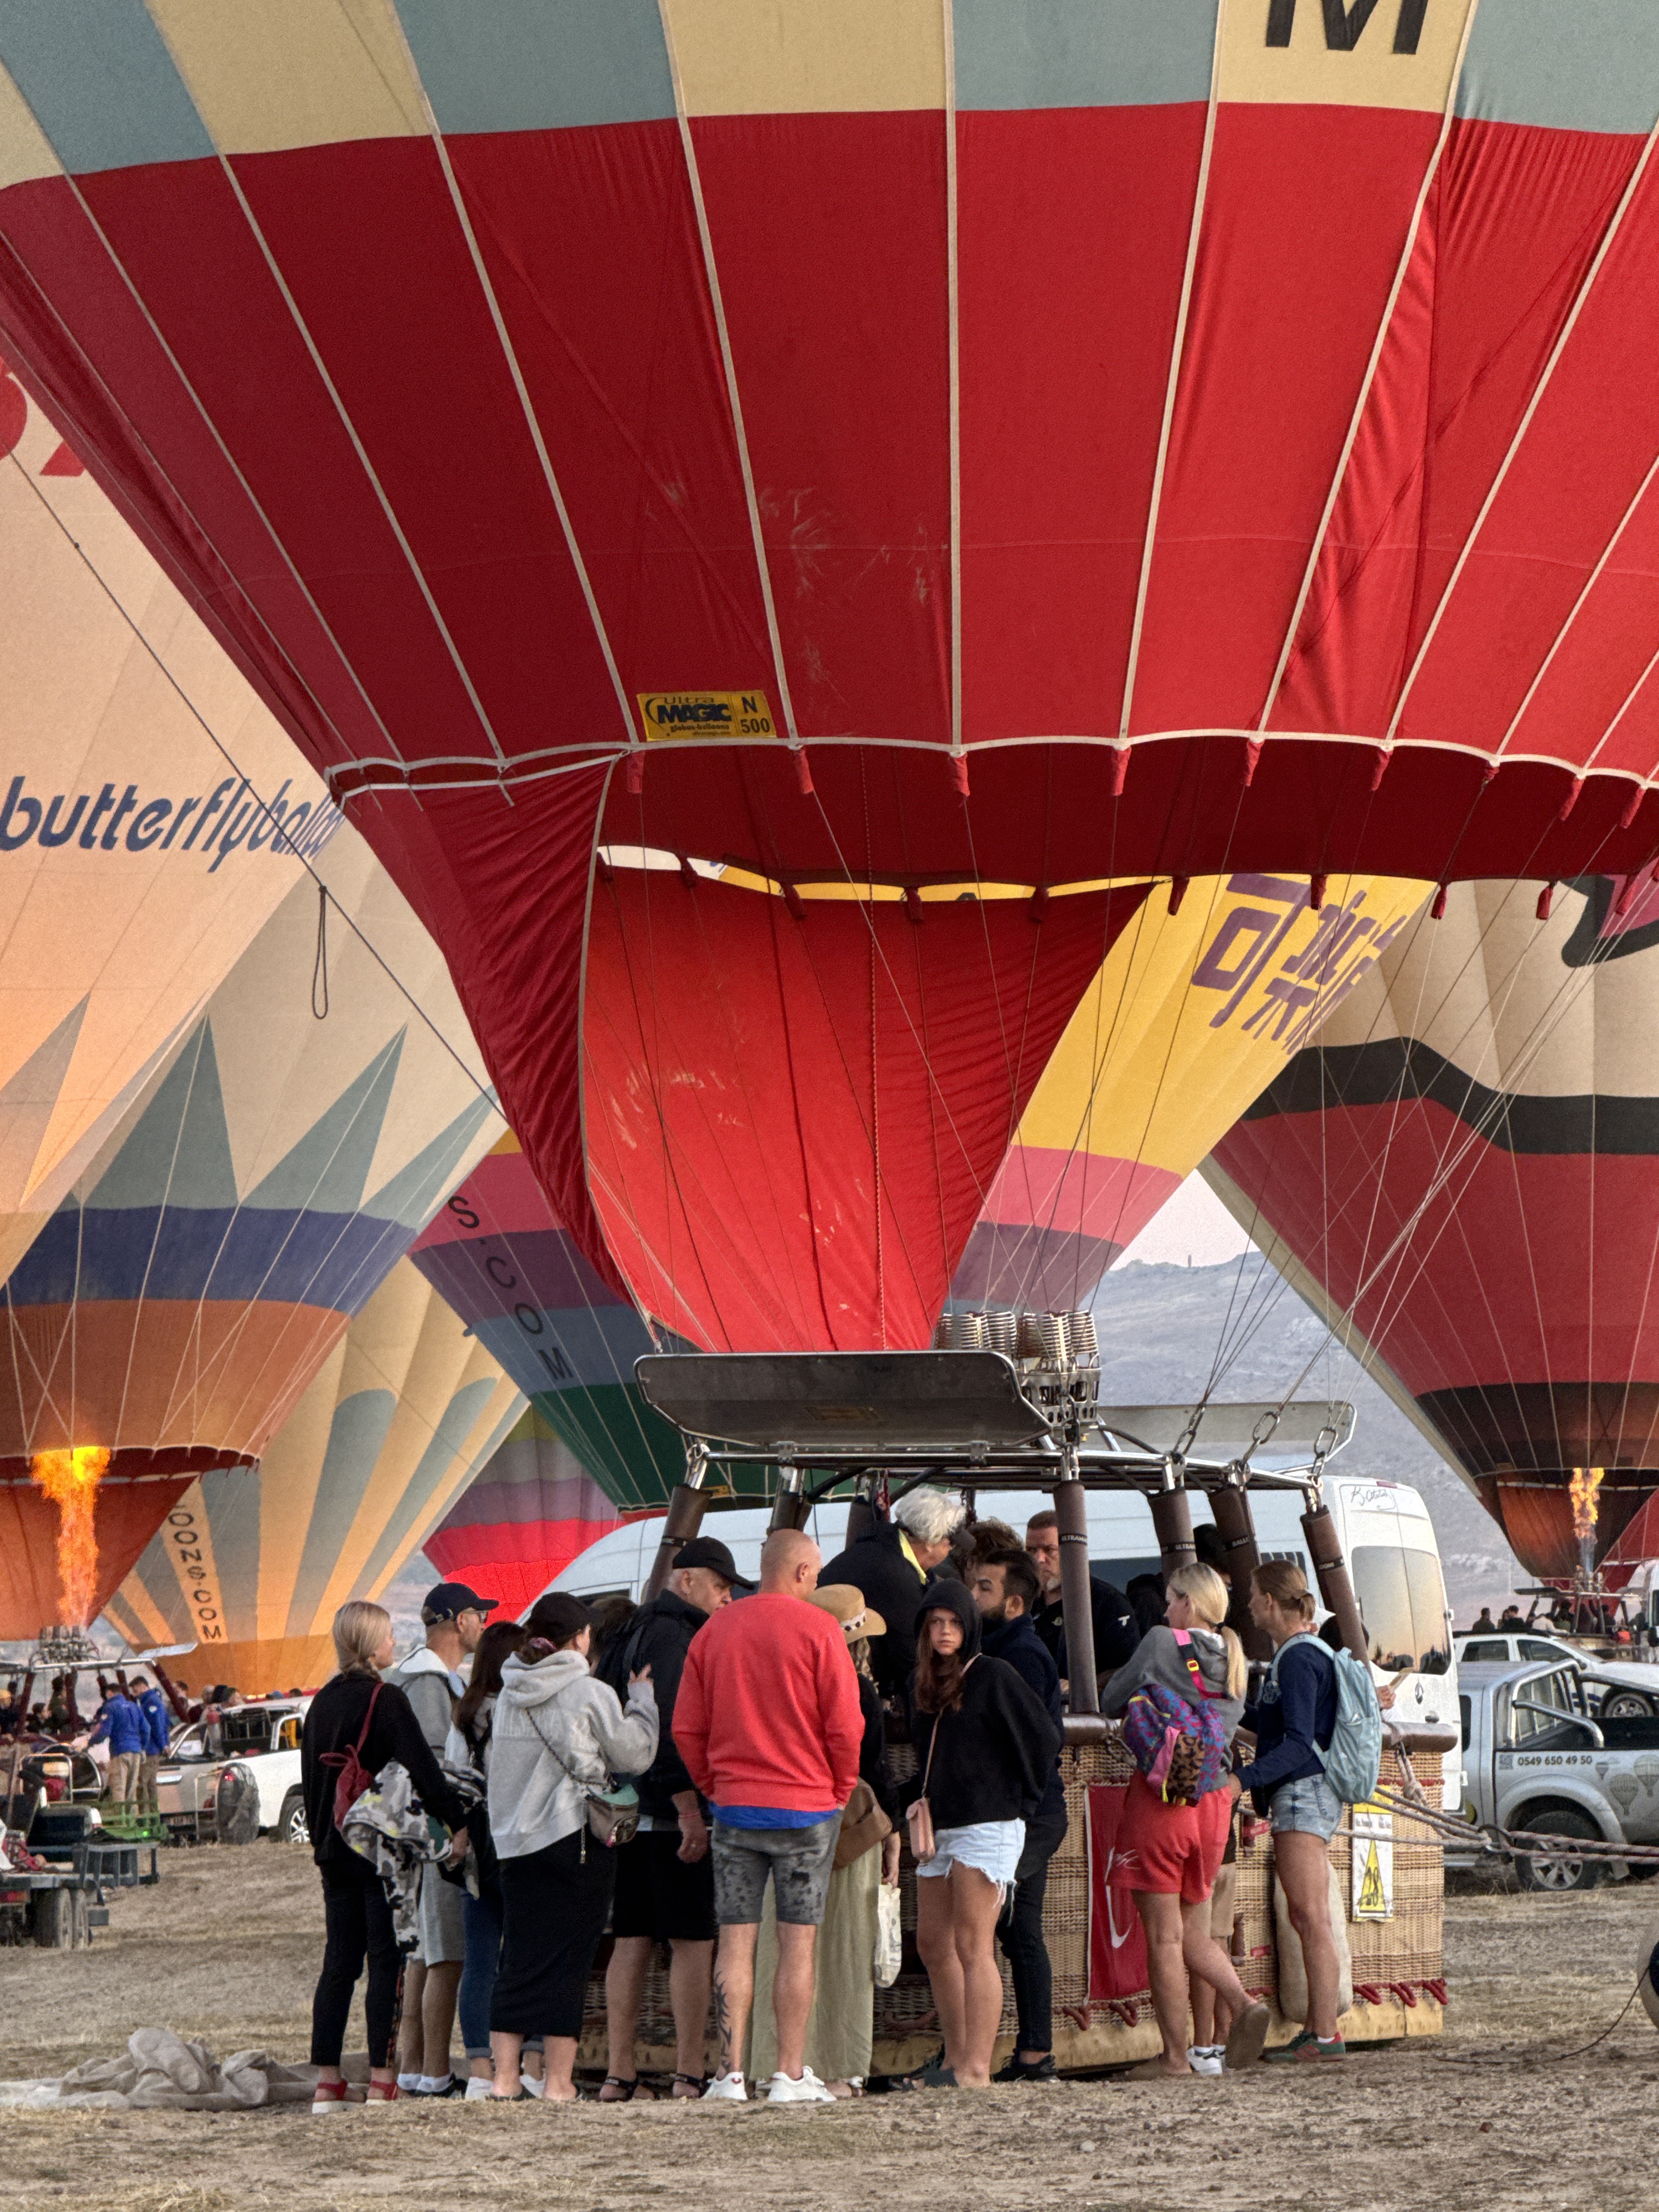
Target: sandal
(685,2087)
(627,2091)
(517,2097)
(939,2075)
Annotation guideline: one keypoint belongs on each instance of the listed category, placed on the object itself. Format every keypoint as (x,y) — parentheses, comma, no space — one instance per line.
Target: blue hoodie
(123,1723)
(158,1729)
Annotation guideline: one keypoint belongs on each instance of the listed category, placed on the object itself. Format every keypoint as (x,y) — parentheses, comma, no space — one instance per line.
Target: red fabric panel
(1068,315)
(1117,1941)
(791,1124)
(125,1515)
(1086,1194)
(830,237)
(1525,1268)
(503,888)
(1511,224)
(1304,221)
(634,403)
(512,1562)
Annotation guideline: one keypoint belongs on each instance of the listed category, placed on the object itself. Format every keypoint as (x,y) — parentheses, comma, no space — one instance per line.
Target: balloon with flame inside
(1586,1481)
(71,1478)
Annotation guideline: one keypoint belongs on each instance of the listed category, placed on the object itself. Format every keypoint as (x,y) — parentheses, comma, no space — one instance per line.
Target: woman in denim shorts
(1293,1724)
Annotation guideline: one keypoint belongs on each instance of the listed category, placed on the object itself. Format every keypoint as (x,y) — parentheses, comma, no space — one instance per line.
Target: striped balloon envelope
(142,779)
(1193,1013)
(531,1508)
(499,1254)
(1025,443)
(1462,1166)
(180,1299)
(251,1562)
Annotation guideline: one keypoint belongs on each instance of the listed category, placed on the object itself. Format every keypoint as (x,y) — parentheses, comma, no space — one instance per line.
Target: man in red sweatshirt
(769,1725)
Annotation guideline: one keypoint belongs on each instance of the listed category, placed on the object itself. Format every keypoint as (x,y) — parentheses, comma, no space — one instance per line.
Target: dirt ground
(227,1950)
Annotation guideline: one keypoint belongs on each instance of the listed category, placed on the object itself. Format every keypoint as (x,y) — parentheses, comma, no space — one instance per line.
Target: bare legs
(956,1930)
(792,1992)
(691,1974)
(1303,1865)
(1179,1944)
(441,1985)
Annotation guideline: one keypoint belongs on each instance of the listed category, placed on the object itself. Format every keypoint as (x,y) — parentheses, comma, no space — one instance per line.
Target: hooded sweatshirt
(557,1733)
(1158,1658)
(431,1688)
(995,1756)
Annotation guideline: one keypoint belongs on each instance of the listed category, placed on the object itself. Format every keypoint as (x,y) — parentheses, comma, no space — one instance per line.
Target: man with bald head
(768,1723)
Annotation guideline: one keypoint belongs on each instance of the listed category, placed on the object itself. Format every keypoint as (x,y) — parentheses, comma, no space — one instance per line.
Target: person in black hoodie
(1005,1587)
(985,1748)
(664,1877)
(354,1710)
(893,1566)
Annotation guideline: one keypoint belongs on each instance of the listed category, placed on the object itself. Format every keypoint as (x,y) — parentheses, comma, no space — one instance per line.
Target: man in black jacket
(1006,1588)
(892,1566)
(1115,1632)
(665,1878)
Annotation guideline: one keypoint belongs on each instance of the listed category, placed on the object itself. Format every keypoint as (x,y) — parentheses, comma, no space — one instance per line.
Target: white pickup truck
(1537,1754)
(236,1774)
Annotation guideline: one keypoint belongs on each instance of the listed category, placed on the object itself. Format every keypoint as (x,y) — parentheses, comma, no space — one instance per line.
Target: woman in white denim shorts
(984,1746)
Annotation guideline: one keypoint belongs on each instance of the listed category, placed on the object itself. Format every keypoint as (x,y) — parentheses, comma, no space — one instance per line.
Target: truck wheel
(1626,1705)
(291,1827)
(1559,1875)
(52,1918)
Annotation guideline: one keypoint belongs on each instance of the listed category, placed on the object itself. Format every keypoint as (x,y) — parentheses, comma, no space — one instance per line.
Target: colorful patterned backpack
(1181,1749)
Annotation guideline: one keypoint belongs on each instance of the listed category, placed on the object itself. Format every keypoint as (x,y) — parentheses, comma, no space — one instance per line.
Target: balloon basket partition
(1398,1969)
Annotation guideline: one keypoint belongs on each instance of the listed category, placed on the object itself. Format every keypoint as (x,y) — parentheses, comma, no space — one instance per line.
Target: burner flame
(1586,1481)
(70,1480)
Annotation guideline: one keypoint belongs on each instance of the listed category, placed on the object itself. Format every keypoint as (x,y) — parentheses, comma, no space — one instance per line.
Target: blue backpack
(1353,1761)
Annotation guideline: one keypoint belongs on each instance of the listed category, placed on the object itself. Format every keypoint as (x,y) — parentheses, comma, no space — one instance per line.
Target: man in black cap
(664,1877)
(454,1616)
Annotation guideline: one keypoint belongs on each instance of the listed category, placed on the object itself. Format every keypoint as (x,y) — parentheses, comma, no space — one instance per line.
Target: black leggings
(1020,1933)
(556,1903)
(359,1921)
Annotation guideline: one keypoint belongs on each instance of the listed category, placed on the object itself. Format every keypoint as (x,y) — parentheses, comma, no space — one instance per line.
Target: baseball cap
(452,1598)
(708,1552)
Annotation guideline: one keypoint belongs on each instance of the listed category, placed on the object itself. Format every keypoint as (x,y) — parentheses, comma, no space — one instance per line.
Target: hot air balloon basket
(1394,1930)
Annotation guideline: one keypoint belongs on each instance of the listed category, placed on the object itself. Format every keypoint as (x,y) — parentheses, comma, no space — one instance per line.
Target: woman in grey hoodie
(1168,1855)
(558,1734)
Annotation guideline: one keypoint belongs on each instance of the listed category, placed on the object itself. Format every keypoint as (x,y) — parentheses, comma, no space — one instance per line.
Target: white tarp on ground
(159,2068)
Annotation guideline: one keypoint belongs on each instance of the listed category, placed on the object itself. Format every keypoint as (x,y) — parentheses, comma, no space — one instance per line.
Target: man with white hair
(892,1566)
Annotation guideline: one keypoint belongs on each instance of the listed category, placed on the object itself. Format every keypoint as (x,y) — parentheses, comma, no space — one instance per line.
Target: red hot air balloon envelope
(1465,1162)
(1029,442)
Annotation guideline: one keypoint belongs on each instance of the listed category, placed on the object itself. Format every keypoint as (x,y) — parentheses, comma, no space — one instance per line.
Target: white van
(1387,1538)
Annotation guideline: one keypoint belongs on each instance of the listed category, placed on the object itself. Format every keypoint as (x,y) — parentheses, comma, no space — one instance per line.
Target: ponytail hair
(1206,1594)
(1283,1582)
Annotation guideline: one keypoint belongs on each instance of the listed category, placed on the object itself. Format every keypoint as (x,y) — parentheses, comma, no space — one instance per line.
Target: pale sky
(1193,1224)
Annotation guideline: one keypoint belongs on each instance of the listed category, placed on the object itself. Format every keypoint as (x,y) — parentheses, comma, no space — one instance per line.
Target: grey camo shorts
(800,1862)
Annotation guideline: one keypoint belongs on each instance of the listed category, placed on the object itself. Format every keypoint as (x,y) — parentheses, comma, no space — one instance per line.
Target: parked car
(247,1759)
(1535,1756)
(1631,1686)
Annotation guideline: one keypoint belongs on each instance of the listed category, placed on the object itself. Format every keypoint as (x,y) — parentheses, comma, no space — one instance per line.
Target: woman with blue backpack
(1294,1779)
(1182,1696)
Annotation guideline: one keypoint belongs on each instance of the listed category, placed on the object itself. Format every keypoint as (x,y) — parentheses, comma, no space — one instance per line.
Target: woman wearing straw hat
(841,2024)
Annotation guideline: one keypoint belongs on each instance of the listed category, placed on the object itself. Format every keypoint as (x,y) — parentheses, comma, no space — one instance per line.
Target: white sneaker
(1207,2057)
(408,2084)
(534,2084)
(808,2090)
(727,2089)
(478,2089)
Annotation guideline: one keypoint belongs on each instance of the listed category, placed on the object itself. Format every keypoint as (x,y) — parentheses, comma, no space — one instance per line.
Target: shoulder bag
(613,1815)
(863,1825)
(918,1817)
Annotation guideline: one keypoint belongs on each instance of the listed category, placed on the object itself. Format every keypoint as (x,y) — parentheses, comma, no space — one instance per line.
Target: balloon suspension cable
(320,966)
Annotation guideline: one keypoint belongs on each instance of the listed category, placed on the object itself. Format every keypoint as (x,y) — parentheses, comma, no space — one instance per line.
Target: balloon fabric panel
(792,1123)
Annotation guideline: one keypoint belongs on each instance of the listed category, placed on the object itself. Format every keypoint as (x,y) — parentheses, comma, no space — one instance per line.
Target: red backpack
(354,1777)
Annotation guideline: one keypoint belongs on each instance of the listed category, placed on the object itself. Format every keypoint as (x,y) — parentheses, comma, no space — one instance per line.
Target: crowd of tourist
(718,1777)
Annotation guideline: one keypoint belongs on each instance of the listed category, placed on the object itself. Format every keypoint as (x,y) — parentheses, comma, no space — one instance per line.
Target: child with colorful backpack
(1182,1696)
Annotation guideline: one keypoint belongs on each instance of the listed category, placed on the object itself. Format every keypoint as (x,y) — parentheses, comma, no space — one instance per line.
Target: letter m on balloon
(1345,20)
